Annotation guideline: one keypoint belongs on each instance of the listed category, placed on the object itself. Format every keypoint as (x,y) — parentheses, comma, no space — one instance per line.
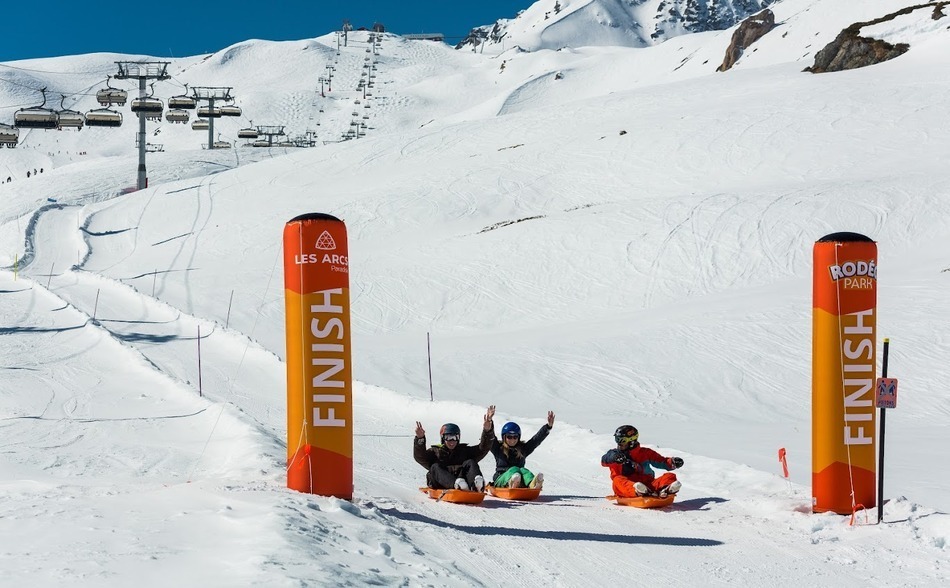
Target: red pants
(623,486)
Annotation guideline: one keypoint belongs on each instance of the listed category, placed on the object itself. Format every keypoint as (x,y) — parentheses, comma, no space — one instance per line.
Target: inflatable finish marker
(843,373)
(319,365)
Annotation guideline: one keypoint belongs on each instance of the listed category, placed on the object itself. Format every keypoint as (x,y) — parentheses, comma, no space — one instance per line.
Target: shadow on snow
(555,535)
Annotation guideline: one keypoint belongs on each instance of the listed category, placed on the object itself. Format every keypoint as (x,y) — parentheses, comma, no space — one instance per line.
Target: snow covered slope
(626,242)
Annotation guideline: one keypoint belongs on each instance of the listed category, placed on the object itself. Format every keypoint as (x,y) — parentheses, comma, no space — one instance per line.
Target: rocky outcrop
(850,50)
(751,30)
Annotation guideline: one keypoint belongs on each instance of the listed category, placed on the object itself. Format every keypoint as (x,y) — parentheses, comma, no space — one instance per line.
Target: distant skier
(452,464)
(631,467)
(512,453)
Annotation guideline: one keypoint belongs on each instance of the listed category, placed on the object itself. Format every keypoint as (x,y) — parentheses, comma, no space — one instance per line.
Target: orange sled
(643,501)
(514,493)
(456,496)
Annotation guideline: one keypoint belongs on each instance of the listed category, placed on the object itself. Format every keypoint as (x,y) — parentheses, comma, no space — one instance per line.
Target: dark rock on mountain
(751,30)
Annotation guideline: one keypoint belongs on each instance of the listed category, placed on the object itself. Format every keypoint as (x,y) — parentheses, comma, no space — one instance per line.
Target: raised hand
(420,432)
(677,462)
(489,415)
(550,418)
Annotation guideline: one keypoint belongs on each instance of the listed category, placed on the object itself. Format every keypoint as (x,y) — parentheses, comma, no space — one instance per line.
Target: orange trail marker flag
(781,458)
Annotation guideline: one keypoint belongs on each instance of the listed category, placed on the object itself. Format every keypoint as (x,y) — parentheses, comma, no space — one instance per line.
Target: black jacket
(452,460)
(516,456)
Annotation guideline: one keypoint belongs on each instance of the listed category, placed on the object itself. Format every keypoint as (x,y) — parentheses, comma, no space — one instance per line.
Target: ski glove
(677,462)
(621,457)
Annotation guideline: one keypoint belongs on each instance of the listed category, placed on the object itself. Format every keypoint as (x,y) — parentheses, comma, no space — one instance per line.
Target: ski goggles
(626,440)
(513,436)
(448,438)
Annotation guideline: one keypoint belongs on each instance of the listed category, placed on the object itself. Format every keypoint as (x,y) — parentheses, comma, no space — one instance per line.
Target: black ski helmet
(626,434)
(449,429)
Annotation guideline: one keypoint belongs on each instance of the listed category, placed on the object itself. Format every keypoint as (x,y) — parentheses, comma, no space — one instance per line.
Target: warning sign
(886,393)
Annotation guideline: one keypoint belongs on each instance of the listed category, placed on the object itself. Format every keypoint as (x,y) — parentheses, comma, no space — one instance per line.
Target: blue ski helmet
(450,429)
(511,429)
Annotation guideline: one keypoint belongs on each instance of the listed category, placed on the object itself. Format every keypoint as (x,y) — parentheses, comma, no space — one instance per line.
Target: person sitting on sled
(631,467)
(452,464)
(512,453)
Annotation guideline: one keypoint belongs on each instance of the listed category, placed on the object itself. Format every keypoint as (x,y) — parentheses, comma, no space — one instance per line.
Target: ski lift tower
(142,71)
(210,94)
(347,27)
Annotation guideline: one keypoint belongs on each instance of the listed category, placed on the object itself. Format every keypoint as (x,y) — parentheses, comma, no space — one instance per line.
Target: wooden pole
(199,361)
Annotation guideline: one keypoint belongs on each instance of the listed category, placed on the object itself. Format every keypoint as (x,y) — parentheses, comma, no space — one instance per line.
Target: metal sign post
(886,398)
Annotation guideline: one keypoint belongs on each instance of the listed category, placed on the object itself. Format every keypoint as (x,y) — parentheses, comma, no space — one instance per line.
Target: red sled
(514,493)
(643,501)
(456,496)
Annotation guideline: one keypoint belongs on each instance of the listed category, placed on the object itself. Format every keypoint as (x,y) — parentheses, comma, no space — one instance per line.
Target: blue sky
(177,29)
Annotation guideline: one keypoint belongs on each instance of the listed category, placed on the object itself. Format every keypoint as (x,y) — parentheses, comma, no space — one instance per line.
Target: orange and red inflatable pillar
(319,365)
(844,472)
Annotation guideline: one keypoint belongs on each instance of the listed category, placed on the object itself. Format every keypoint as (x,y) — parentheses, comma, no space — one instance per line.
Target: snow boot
(514,481)
(461,484)
(674,487)
(641,489)
(537,481)
(479,483)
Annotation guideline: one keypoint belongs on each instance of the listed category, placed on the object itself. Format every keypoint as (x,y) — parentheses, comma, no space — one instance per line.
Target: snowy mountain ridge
(553,24)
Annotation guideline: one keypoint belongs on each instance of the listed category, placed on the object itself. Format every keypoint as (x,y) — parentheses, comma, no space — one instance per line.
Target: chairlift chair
(248,133)
(231,110)
(36,117)
(148,106)
(261,143)
(209,112)
(182,102)
(177,115)
(69,119)
(200,125)
(103,117)
(9,135)
(110,96)
(221,145)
